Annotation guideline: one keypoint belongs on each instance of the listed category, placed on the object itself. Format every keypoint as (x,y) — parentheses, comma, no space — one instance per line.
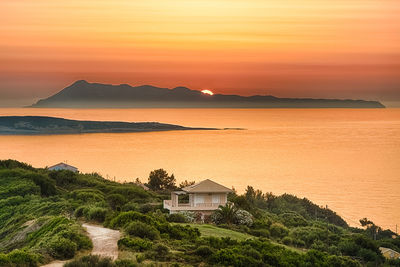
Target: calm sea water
(346,159)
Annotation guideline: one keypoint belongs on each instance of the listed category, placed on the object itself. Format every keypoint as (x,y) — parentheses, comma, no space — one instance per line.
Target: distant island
(82,94)
(36,125)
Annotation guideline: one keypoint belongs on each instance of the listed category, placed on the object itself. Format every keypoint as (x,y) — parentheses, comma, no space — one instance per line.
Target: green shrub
(82,241)
(13,164)
(62,248)
(131,206)
(142,230)
(176,217)
(91,261)
(23,258)
(88,195)
(146,208)
(63,177)
(292,219)
(4,260)
(125,263)
(179,231)
(136,244)
(116,201)
(260,232)
(161,250)
(126,217)
(278,230)
(203,251)
(140,258)
(96,213)
(287,241)
(81,211)
(47,186)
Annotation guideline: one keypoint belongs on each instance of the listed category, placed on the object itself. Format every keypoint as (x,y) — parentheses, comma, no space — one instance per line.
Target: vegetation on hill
(33,125)
(41,212)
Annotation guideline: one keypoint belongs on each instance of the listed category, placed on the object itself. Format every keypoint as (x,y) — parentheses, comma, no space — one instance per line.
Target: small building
(63,166)
(204,197)
(389,253)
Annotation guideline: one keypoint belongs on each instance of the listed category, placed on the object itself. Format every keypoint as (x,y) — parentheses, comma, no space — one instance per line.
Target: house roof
(384,250)
(62,164)
(206,186)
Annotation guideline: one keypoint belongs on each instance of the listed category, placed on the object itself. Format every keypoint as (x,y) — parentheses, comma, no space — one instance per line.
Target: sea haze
(348,159)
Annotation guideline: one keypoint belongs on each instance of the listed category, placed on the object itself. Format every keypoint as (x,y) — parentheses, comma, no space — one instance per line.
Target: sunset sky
(287,48)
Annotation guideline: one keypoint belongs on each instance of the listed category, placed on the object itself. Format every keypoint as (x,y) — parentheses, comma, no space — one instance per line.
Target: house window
(215,199)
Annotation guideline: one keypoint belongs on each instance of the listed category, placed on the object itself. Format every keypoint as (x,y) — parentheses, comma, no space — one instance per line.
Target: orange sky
(299,48)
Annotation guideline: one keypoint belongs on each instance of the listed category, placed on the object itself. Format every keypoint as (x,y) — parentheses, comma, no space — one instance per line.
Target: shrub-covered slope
(41,212)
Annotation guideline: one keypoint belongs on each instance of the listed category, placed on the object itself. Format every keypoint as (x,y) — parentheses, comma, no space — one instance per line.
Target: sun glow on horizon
(207,92)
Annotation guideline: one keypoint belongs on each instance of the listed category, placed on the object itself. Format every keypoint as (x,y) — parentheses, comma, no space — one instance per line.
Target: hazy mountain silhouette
(82,94)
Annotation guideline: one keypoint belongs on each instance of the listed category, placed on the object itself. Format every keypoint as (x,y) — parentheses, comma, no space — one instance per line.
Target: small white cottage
(63,166)
(204,197)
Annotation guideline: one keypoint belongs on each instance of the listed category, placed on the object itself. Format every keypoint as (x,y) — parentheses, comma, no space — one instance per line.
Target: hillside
(42,211)
(82,94)
(31,125)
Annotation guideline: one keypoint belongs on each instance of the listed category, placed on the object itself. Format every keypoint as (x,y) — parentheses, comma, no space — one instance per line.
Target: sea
(345,159)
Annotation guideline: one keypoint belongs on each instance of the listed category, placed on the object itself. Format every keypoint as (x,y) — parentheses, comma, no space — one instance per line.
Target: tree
(186,183)
(226,214)
(160,180)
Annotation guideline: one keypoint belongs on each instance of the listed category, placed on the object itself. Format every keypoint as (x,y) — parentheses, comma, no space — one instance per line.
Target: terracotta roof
(207,186)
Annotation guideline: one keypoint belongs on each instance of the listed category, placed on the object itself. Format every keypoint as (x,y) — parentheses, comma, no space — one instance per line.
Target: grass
(212,230)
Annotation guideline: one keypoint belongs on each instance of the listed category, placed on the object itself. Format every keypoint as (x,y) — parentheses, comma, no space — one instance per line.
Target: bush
(22,258)
(125,263)
(131,206)
(146,208)
(4,260)
(179,231)
(203,251)
(278,230)
(161,250)
(176,217)
(62,248)
(142,230)
(135,244)
(287,241)
(97,214)
(260,232)
(292,219)
(88,195)
(116,201)
(82,241)
(63,177)
(140,258)
(243,217)
(90,261)
(126,217)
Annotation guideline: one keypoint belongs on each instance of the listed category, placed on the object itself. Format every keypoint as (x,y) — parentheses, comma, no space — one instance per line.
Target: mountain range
(82,94)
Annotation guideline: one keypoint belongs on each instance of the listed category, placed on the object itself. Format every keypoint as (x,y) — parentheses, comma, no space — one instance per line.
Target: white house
(204,197)
(63,166)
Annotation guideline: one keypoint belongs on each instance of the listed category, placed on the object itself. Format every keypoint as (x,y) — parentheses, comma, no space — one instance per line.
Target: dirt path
(104,243)
(55,264)
(104,240)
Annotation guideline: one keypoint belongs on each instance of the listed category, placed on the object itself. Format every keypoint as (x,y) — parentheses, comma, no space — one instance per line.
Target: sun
(207,92)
